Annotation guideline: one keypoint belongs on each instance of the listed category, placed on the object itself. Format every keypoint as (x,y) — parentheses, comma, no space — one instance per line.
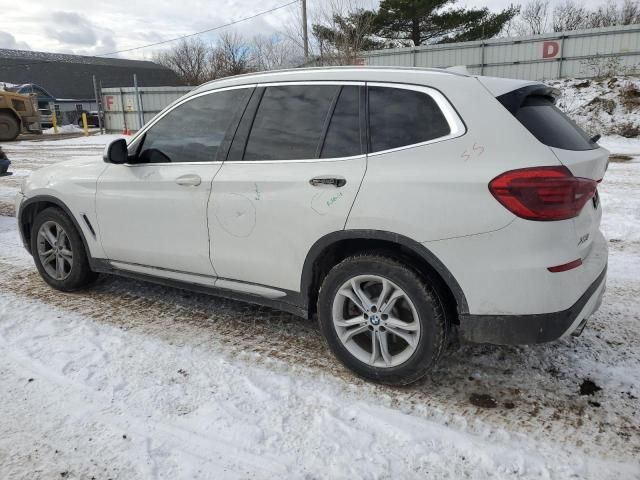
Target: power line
(201,32)
(170,40)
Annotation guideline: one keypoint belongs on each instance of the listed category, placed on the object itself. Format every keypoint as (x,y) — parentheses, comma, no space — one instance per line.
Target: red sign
(550,49)
(108,100)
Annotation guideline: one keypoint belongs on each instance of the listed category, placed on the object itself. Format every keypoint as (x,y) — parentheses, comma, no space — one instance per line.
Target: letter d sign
(550,49)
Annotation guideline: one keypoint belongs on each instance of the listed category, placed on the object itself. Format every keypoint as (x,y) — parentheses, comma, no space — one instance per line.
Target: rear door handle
(190,180)
(335,181)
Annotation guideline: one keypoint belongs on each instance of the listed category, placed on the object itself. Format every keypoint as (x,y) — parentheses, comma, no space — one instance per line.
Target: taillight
(543,193)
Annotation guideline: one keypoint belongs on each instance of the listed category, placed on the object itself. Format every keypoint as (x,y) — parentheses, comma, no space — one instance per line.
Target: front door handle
(190,180)
(335,181)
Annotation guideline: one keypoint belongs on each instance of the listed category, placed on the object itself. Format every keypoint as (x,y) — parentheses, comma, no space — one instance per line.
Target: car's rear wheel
(9,127)
(59,252)
(381,319)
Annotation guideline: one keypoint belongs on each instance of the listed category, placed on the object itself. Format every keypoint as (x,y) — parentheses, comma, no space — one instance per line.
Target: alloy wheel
(54,250)
(376,321)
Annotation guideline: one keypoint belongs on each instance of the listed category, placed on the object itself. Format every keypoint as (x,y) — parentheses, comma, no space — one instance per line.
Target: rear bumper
(537,328)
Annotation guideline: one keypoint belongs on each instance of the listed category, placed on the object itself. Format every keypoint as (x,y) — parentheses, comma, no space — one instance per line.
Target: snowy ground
(602,106)
(134,381)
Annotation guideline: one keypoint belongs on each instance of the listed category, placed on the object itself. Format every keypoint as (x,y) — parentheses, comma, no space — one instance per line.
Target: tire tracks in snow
(99,407)
(545,406)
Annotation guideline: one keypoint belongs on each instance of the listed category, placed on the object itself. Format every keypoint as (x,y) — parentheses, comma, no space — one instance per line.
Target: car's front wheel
(381,319)
(58,251)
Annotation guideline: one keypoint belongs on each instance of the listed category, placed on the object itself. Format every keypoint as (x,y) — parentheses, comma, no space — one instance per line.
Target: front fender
(71,186)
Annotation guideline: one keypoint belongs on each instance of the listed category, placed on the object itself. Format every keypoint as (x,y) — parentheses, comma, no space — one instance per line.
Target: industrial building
(71,76)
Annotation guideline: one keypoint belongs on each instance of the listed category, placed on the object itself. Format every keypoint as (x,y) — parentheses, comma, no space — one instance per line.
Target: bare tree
(630,12)
(189,59)
(606,15)
(196,62)
(293,32)
(534,18)
(611,13)
(230,56)
(271,52)
(569,15)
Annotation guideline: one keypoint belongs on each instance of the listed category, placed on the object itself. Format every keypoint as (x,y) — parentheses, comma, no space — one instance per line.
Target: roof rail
(343,68)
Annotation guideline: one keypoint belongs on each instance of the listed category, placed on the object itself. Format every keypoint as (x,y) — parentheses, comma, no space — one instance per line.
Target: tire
(9,127)
(412,350)
(75,273)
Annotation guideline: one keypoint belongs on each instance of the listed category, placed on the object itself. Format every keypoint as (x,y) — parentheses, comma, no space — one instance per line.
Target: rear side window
(193,131)
(290,122)
(550,125)
(400,117)
(343,134)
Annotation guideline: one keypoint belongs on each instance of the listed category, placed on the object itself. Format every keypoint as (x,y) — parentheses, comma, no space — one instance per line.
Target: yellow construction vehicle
(18,113)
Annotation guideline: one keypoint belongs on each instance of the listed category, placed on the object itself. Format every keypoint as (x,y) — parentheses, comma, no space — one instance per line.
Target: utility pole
(98,105)
(305,36)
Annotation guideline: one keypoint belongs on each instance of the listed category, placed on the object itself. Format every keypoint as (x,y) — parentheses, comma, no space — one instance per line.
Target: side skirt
(290,303)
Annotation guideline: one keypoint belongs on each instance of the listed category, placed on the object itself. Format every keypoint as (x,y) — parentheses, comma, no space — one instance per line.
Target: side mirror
(116,152)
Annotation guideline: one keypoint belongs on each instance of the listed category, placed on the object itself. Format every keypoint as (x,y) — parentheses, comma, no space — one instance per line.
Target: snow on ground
(620,145)
(71,128)
(134,381)
(608,106)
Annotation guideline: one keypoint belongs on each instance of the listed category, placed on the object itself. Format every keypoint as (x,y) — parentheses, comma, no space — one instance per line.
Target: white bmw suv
(398,205)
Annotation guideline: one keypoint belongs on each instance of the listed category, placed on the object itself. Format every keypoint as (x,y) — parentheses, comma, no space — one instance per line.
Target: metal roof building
(71,76)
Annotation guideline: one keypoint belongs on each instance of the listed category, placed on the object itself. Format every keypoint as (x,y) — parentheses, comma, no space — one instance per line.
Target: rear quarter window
(400,117)
(548,123)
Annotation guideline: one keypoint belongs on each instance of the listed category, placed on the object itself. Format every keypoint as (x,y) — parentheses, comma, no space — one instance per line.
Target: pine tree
(417,22)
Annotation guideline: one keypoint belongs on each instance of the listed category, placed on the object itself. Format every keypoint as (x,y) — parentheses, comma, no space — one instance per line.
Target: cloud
(75,33)
(71,29)
(9,41)
(105,44)
(88,28)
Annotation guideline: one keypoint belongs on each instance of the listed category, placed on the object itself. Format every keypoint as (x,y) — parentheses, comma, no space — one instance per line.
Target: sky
(87,27)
